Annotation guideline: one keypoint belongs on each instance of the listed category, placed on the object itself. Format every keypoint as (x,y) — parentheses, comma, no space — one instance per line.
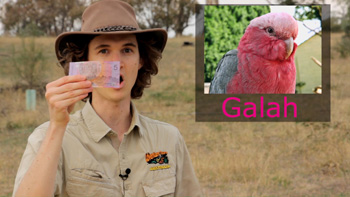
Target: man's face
(123,48)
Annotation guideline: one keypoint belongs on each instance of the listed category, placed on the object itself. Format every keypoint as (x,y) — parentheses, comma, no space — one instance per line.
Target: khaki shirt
(90,165)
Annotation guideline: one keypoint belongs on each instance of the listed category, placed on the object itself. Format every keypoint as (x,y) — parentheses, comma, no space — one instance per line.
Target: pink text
(249,111)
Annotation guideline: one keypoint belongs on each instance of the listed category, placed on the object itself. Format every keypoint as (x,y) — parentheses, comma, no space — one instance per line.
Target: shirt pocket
(164,186)
(89,182)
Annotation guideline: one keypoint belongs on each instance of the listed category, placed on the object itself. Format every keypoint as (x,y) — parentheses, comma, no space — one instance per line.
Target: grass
(230,159)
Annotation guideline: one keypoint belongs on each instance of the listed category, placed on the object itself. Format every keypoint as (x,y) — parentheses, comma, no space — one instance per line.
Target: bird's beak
(289,46)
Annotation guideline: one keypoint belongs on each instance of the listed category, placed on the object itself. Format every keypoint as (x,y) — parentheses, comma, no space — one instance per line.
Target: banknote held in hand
(101,74)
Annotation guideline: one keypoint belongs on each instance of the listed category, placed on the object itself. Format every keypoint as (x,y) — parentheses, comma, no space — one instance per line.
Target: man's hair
(77,50)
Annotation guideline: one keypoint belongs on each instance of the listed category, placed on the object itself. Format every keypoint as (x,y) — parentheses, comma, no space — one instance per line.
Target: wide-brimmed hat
(110,17)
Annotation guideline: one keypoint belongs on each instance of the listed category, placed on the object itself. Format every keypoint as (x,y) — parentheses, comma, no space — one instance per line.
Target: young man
(107,148)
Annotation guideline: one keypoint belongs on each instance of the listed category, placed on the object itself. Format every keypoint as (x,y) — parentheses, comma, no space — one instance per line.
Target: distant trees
(343,47)
(47,17)
(224,26)
(168,14)
(52,17)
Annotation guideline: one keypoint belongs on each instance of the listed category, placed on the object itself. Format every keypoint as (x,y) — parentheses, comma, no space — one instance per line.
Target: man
(107,148)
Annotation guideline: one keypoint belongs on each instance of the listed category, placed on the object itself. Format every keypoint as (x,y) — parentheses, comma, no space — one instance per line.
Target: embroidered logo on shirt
(160,167)
(157,157)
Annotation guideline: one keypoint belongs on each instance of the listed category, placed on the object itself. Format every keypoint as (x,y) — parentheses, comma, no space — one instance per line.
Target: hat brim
(159,35)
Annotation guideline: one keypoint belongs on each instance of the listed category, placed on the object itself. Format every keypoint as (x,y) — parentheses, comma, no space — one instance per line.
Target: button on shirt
(92,158)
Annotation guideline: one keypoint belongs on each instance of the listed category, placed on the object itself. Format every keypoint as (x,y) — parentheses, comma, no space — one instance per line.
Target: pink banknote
(101,74)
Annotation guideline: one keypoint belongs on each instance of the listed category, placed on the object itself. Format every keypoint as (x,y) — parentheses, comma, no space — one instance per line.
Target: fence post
(30,99)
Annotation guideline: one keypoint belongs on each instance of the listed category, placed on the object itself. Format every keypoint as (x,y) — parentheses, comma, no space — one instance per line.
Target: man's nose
(115,56)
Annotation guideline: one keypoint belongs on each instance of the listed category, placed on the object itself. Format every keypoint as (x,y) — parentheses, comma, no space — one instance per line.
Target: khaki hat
(110,17)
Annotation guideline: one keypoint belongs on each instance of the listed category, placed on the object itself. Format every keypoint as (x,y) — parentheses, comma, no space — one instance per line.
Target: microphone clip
(126,175)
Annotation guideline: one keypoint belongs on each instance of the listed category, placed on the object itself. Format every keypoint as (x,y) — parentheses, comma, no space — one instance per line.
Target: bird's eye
(270,30)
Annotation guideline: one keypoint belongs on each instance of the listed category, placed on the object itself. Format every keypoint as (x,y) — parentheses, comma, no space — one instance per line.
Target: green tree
(223,28)
(308,12)
(303,12)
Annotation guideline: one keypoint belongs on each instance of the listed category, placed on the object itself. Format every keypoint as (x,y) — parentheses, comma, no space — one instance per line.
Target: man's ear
(140,63)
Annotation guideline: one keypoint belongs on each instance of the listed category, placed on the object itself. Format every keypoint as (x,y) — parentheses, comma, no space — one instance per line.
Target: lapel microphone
(126,175)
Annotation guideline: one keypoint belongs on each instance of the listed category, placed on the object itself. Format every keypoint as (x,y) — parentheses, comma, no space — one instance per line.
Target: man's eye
(103,51)
(127,50)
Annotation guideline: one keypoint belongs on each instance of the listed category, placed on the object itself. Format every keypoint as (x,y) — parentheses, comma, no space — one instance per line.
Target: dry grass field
(230,159)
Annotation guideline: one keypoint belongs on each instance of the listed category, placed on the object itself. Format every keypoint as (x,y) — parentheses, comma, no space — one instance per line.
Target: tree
(147,12)
(185,9)
(308,12)
(346,21)
(223,28)
(17,15)
(168,14)
(343,47)
(52,17)
(303,12)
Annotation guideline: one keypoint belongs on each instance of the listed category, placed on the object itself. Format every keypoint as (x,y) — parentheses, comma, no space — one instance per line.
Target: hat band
(115,28)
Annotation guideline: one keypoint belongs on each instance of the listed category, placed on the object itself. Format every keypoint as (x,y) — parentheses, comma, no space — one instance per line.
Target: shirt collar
(135,121)
(98,128)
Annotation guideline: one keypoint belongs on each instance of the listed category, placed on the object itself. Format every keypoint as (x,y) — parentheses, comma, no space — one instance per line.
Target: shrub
(27,64)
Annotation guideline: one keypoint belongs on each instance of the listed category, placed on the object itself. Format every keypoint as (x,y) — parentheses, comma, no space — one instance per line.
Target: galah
(264,60)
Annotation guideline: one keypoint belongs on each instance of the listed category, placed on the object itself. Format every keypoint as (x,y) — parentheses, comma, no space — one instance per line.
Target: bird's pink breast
(257,75)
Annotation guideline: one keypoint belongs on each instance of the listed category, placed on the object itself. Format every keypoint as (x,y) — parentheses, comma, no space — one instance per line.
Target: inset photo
(262,49)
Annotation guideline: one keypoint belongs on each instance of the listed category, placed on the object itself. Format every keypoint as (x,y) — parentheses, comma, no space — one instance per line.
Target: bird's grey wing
(227,67)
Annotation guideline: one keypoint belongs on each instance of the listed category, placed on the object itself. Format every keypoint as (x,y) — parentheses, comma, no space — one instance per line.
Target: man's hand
(62,94)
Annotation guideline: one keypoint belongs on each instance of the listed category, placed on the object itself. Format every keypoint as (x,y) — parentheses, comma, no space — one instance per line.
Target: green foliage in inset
(299,85)
(223,28)
(310,12)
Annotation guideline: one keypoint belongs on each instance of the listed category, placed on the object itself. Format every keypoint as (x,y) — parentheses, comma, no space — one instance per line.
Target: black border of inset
(310,107)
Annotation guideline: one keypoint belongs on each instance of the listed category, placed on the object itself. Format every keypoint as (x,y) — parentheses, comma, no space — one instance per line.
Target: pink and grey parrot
(264,60)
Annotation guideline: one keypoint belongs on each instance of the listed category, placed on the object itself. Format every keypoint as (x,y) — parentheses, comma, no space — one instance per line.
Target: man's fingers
(70,94)
(64,104)
(73,86)
(66,79)
(63,93)
(68,88)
